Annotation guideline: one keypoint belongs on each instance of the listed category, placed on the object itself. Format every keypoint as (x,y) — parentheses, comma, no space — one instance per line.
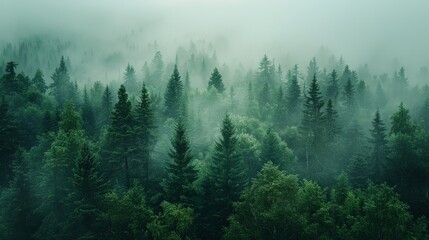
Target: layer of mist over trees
(139,141)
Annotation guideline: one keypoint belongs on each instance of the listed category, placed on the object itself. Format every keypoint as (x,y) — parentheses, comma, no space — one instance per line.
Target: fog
(385,34)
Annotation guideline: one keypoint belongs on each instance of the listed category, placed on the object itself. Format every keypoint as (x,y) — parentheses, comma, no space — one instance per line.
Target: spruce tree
(252,105)
(226,175)
(264,101)
(280,112)
(120,143)
(312,70)
(173,95)
(106,106)
(181,174)
(9,142)
(38,81)
(145,132)
(349,94)
(293,96)
(332,90)
(8,81)
(57,172)
(88,117)
(313,123)
(86,199)
(216,81)
(378,141)
(266,72)
(274,150)
(332,128)
(130,79)
(62,86)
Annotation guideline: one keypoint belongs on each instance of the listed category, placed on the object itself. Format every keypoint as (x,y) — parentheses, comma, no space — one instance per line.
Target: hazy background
(383,33)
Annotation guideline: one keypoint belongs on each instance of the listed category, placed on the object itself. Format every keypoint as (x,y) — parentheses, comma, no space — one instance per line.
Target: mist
(385,34)
(214,119)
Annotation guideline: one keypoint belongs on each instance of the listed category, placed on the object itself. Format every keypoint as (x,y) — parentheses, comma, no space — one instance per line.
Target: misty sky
(364,31)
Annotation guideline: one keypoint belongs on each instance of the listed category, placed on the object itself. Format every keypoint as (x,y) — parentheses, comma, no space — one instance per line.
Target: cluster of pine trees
(277,156)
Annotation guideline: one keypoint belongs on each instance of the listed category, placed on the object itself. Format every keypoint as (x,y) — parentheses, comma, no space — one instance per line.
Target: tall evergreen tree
(39,82)
(225,179)
(332,90)
(216,81)
(293,96)
(173,95)
(106,106)
(120,144)
(378,141)
(62,87)
(181,174)
(130,80)
(332,128)
(312,70)
(274,150)
(312,124)
(57,172)
(280,111)
(145,132)
(8,81)
(88,117)
(9,142)
(266,72)
(349,94)
(252,105)
(86,199)
(265,102)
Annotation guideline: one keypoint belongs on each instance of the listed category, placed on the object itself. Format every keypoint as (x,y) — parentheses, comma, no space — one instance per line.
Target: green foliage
(181,174)
(379,142)
(173,95)
(127,215)
(276,151)
(62,88)
(174,223)
(130,80)
(216,81)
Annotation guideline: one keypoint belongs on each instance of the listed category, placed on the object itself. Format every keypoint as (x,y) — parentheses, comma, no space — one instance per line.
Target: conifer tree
(86,199)
(312,70)
(332,90)
(181,174)
(349,94)
(252,105)
(39,82)
(9,141)
(106,106)
(62,86)
(424,114)
(274,150)
(266,72)
(313,123)
(120,144)
(88,117)
(280,112)
(332,128)
(8,81)
(378,141)
(226,175)
(216,81)
(145,127)
(265,102)
(293,96)
(173,95)
(130,79)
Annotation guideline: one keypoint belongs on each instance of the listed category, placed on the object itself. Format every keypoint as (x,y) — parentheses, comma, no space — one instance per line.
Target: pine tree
(226,175)
(265,102)
(18,204)
(86,199)
(313,123)
(61,87)
(293,96)
(39,82)
(106,106)
(274,150)
(312,70)
(9,142)
(157,69)
(88,115)
(181,174)
(266,72)
(332,90)
(280,112)
(216,81)
(8,81)
(252,105)
(120,144)
(349,94)
(359,171)
(145,127)
(173,95)
(378,141)
(57,172)
(332,128)
(130,79)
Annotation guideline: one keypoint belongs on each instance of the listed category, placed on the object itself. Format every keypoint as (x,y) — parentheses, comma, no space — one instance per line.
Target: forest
(139,139)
